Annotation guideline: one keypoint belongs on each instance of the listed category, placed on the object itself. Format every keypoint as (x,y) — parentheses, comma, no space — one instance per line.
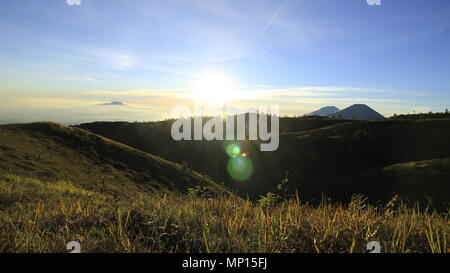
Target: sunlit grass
(39,216)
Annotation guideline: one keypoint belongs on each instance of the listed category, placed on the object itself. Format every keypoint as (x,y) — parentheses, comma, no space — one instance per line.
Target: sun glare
(214,88)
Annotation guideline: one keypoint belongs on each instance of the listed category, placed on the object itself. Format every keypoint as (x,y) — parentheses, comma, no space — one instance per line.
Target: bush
(269,200)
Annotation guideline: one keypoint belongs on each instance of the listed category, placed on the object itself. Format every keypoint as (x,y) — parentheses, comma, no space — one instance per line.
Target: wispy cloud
(81,78)
(330,91)
(123,61)
(273,18)
(44,102)
(145,93)
(307,94)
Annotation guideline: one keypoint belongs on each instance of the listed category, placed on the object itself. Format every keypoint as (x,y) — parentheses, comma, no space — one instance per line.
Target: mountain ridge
(357,111)
(324,111)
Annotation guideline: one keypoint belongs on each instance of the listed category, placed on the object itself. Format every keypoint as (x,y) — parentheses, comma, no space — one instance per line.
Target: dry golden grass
(38,216)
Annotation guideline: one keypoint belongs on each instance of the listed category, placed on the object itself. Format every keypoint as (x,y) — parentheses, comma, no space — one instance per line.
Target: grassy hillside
(418,179)
(59,184)
(43,216)
(339,159)
(54,152)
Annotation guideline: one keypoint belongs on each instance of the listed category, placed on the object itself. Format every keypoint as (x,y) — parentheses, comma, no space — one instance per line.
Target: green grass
(41,216)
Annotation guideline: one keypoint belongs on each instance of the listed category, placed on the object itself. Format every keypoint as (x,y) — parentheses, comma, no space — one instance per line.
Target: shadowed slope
(337,160)
(51,151)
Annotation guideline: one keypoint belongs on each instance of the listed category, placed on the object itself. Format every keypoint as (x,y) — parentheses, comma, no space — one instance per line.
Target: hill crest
(56,152)
(324,111)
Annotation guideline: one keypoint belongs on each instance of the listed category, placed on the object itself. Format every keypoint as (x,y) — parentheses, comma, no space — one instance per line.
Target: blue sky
(59,61)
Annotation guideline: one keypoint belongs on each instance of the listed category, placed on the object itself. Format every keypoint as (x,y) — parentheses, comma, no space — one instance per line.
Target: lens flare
(233,150)
(240,168)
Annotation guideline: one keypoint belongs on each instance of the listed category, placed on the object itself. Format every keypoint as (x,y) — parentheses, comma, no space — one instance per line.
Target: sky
(59,62)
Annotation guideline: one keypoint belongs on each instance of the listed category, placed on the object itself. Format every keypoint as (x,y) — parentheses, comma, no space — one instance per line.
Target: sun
(214,88)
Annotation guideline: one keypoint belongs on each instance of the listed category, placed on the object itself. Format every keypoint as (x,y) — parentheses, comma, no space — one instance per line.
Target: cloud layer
(157,104)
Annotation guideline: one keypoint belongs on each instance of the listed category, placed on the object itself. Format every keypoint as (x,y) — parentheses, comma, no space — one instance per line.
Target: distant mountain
(113,103)
(324,111)
(358,111)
